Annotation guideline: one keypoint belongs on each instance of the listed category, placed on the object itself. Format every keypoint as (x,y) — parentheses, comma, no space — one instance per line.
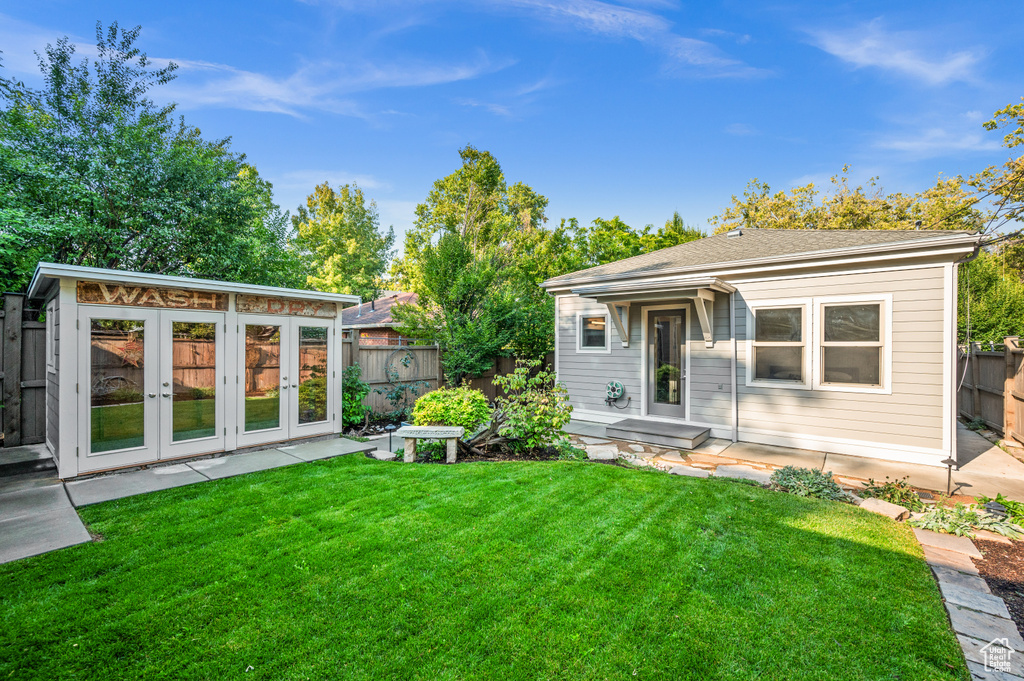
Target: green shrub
(313,399)
(200,393)
(452,407)
(353,391)
(1015,509)
(807,482)
(964,520)
(897,492)
(976,425)
(568,452)
(535,407)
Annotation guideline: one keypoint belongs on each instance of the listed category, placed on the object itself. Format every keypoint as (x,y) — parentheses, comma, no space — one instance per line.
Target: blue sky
(636,108)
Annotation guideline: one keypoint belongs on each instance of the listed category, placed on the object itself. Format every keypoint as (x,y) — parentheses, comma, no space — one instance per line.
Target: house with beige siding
(835,341)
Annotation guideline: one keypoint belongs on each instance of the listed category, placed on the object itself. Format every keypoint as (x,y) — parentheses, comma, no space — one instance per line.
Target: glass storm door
(312,367)
(264,378)
(192,384)
(666,359)
(118,386)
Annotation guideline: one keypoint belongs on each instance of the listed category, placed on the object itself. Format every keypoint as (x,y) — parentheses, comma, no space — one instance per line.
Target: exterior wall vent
(734,232)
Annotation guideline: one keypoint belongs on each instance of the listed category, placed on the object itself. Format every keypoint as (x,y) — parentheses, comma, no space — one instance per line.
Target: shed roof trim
(52,271)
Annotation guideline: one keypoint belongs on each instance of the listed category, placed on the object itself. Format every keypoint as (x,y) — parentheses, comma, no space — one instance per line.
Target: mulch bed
(1003,570)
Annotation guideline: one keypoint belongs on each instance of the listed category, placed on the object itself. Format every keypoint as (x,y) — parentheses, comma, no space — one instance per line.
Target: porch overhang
(621,294)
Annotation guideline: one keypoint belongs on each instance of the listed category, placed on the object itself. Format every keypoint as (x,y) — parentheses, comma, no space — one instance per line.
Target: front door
(666,363)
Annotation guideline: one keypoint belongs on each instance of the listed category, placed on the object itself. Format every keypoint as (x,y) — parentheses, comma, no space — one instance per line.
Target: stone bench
(450,435)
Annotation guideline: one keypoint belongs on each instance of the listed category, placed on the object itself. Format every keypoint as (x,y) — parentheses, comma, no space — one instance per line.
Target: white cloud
(740,129)
(937,142)
(738,38)
(871,45)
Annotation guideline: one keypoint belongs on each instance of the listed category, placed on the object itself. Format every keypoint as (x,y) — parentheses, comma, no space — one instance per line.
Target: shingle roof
(752,244)
(377,313)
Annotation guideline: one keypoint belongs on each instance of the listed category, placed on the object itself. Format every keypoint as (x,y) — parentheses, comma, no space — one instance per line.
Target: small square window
(593,332)
(778,345)
(852,344)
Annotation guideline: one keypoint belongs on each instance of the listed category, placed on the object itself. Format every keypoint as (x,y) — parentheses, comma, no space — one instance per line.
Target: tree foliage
(338,239)
(93,172)
(949,204)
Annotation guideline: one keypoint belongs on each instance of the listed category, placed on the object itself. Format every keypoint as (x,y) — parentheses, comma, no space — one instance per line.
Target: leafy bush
(200,393)
(976,425)
(452,407)
(535,407)
(963,520)
(353,391)
(1015,509)
(807,482)
(897,492)
(568,452)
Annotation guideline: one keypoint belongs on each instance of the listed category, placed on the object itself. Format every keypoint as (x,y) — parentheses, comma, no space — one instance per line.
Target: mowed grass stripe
(360,569)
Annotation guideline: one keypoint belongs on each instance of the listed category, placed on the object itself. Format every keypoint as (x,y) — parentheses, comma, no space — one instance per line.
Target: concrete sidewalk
(38,515)
(985,469)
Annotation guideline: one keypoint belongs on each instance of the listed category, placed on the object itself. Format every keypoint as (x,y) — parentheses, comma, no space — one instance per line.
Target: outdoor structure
(835,341)
(372,324)
(143,368)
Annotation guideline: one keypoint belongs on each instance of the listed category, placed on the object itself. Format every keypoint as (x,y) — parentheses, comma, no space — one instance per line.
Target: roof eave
(559,284)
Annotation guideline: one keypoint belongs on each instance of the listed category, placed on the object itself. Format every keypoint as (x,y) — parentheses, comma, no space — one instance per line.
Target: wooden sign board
(291,306)
(150,296)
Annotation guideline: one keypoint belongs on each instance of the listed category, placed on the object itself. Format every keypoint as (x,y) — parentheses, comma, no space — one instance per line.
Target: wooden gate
(23,372)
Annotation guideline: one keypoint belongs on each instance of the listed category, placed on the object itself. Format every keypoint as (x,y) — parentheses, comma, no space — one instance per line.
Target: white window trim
(607,332)
(51,345)
(885,299)
(807,328)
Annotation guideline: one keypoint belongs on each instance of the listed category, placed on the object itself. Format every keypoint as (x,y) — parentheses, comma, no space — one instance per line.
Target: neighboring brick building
(372,320)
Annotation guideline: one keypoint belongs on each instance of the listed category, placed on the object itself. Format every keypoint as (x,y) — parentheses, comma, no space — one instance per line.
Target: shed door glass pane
(194,376)
(668,366)
(262,377)
(312,374)
(117,412)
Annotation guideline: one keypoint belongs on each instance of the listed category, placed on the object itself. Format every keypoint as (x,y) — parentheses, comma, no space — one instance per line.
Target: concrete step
(658,433)
(25,459)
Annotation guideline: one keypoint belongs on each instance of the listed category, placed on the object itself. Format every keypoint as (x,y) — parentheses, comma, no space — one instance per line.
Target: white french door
(193,383)
(118,386)
(286,374)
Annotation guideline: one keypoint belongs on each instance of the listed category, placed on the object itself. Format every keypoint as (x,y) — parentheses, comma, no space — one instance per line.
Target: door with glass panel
(312,366)
(118,386)
(265,381)
(192,383)
(666,363)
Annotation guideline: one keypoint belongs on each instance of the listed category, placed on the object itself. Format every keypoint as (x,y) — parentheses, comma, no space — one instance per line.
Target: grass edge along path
(361,569)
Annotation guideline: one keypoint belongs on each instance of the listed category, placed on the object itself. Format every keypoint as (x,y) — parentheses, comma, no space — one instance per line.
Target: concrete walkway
(38,514)
(985,469)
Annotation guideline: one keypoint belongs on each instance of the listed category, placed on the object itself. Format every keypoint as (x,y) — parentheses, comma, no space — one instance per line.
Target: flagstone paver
(689,472)
(946,575)
(595,441)
(743,472)
(984,627)
(596,453)
(974,599)
(949,559)
(883,507)
(949,542)
(972,648)
(673,456)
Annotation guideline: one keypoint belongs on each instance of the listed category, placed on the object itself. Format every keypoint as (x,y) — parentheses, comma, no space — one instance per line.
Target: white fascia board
(45,271)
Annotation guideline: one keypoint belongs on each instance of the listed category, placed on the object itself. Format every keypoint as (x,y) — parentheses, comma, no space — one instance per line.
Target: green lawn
(351,568)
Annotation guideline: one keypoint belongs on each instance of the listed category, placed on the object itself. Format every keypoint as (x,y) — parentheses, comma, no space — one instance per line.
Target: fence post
(975,381)
(1009,387)
(440,368)
(13,309)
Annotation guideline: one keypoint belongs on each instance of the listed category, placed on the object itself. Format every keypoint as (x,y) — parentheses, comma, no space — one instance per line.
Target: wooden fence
(23,372)
(991,386)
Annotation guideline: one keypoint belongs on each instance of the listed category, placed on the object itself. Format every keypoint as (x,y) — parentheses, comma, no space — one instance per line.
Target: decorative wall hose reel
(614,391)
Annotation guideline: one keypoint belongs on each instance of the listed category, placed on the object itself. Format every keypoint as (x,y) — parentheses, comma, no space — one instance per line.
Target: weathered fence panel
(991,386)
(23,371)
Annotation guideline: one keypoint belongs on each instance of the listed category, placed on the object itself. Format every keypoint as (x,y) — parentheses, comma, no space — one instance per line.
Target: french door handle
(152,394)
(294,386)
(166,394)
(284,387)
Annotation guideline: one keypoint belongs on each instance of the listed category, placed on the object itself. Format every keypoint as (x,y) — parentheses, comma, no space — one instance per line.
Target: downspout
(732,336)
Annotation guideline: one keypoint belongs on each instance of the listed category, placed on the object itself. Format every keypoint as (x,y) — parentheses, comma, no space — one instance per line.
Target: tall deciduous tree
(93,172)
(339,240)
